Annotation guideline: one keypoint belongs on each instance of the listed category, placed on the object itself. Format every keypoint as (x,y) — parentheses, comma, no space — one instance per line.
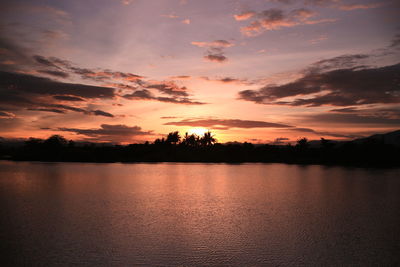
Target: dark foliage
(193,148)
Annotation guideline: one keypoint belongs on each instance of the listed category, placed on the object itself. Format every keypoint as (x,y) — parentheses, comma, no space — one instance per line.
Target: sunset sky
(248,70)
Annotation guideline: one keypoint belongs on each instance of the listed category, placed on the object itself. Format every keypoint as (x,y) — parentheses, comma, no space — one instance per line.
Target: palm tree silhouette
(173,138)
(208,139)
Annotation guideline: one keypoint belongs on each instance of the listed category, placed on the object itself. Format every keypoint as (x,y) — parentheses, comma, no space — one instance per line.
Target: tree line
(205,148)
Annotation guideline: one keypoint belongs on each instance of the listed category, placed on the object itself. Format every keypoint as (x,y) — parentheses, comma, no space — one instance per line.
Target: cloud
(215,51)
(179,94)
(216,43)
(340,62)
(68,98)
(108,132)
(55,73)
(359,6)
(186,21)
(169,88)
(340,87)
(225,124)
(352,119)
(216,58)
(180,77)
(44,86)
(382,112)
(102,113)
(274,19)
(339,4)
(229,80)
(22,91)
(98,75)
(147,95)
(244,15)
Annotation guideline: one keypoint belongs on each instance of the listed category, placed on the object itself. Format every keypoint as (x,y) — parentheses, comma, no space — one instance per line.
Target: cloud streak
(225,124)
(110,132)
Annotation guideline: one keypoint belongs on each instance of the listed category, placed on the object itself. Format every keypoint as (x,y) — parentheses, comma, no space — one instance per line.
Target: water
(72,214)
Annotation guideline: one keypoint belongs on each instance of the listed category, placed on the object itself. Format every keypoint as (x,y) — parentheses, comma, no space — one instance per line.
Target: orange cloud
(216,43)
(244,16)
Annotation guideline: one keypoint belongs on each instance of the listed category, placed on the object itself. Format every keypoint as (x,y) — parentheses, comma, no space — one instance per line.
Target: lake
(176,214)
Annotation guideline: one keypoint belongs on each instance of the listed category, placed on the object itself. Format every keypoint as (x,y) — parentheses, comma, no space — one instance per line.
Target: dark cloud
(45,62)
(177,94)
(225,124)
(27,92)
(345,110)
(55,73)
(102,113)
(44,86)
(216,57)
(340,62)
(68,98)
(342,87)
(229,80)
(391,113)
(98,75)
(169,88)
(351,118)
(54,110)
(216,54)
(107,132)
(215,51)
(147,95)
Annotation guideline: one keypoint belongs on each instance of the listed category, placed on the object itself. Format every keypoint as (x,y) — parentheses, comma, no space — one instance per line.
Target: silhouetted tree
(55,141)
(302,143)
(190,140)
(173,138)
(207,139)
(159,141)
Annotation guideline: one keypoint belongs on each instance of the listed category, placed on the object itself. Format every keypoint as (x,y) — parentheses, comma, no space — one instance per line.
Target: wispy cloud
(110,132)
(225,124)
(274,19)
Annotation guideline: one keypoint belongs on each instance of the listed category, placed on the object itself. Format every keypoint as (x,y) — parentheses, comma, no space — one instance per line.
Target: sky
(260,71)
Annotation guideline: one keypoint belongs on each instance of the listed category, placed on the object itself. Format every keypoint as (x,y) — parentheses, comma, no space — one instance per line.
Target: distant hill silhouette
(391,138)
(380,150)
